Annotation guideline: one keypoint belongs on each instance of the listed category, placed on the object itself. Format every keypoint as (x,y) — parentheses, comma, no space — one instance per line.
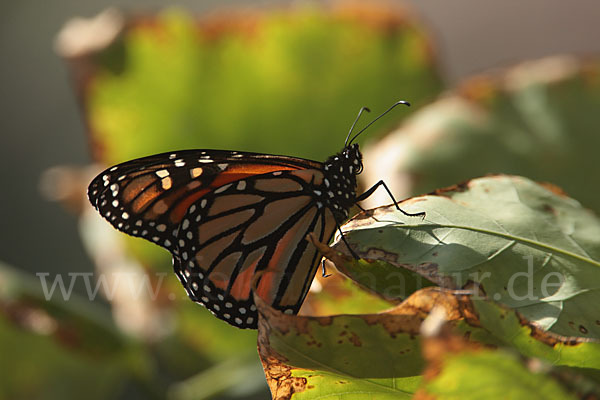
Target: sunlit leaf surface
(529,247)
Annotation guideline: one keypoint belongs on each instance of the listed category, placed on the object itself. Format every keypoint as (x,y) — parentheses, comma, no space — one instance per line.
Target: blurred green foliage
(538,119)
(279,82)
(60,347)
(493,375)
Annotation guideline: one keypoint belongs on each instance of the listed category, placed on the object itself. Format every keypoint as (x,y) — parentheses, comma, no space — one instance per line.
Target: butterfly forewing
(148,197)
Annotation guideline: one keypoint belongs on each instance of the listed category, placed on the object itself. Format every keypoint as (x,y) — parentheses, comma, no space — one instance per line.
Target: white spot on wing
(161,173)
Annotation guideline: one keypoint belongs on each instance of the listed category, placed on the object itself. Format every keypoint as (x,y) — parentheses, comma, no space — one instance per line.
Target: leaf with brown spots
(526,246)
(380,355)
(375,354)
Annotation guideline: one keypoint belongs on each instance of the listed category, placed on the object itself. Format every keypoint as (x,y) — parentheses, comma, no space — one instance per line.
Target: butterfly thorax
(339,183)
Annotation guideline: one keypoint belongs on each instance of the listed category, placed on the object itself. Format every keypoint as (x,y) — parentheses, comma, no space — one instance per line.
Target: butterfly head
(353,156)
(346,164)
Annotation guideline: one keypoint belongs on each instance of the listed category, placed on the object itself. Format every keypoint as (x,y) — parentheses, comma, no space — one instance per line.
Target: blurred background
(495,87)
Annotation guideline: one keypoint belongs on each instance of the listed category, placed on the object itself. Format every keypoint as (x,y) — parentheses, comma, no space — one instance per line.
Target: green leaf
(349,356)
(528,247)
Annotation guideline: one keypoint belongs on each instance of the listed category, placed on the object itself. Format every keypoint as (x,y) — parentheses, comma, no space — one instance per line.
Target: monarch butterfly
(227,216)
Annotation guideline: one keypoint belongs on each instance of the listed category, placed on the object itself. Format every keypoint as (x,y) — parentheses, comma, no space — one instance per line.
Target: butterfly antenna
(354,124)
(406,103)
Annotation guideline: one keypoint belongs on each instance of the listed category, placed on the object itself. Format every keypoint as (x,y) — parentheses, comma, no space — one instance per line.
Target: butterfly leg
(382,183)
(356,257)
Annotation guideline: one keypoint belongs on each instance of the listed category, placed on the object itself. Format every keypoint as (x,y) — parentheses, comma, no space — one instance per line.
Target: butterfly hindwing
(251,233)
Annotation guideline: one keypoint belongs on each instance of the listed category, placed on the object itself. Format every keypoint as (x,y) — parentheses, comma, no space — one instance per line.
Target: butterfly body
(233,220)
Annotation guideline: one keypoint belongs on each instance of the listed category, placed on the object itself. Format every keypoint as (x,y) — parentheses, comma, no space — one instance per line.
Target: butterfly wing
(252,233)
(227,217)
(149,196)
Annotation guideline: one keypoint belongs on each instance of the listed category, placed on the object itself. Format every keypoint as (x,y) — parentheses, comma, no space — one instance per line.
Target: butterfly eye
(359,169)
